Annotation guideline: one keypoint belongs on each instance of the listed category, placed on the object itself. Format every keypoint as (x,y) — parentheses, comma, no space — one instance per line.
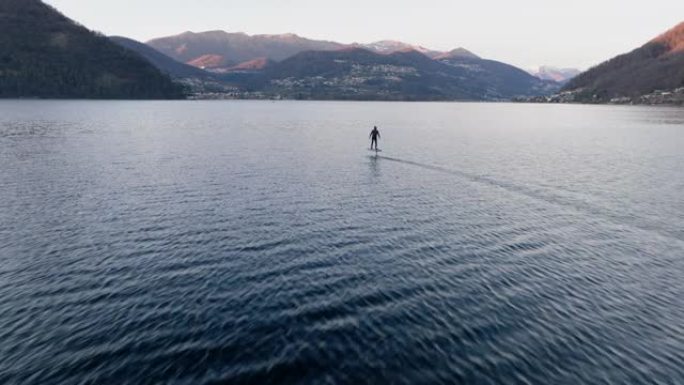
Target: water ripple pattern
(261,243)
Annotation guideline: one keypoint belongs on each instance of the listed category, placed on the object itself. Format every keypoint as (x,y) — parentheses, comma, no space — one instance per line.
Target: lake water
(261,242)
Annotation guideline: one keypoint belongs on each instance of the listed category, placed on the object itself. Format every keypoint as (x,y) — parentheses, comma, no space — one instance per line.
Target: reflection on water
(374,167)
(250,242)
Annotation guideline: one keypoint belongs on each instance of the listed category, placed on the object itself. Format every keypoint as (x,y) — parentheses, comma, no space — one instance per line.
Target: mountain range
(290,66)
(221,52)
(361,74)
(45,54)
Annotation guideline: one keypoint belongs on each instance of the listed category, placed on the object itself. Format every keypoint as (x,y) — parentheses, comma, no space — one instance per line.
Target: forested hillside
(44,54)
(657,65)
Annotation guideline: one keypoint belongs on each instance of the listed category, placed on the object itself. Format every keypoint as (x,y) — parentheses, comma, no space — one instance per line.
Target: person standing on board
(374,136)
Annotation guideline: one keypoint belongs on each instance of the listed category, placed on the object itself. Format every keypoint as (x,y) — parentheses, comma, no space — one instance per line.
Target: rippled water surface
(260,242)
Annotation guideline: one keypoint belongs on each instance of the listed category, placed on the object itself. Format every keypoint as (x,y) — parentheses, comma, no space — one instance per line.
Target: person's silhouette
(374,136)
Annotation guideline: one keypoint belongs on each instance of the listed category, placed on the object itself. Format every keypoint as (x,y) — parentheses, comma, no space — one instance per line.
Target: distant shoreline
(531,102)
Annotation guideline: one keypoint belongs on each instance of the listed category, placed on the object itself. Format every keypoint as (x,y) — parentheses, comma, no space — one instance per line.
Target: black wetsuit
(374,135)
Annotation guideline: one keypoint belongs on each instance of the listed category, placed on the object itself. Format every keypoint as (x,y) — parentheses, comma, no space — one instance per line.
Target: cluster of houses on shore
(659,97)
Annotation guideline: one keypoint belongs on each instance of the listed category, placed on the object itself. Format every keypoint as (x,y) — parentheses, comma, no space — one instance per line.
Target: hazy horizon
(527,33)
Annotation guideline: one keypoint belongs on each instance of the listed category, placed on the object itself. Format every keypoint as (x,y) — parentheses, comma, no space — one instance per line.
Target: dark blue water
(259,242)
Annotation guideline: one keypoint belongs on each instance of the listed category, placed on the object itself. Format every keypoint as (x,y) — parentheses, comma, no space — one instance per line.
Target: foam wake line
(555,199)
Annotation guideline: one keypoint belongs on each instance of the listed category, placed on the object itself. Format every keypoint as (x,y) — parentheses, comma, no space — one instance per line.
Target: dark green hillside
(44,54)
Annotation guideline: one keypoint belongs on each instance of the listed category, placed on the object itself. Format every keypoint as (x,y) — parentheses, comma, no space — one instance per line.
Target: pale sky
(525,33)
